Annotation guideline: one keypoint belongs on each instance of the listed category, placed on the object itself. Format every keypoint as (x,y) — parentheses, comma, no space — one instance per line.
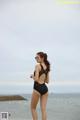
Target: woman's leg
(34,102)
(43,102)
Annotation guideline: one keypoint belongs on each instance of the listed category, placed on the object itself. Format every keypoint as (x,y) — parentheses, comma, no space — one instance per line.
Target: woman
(40,77)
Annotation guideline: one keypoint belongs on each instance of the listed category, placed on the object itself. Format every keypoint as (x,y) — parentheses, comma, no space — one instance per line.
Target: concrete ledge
(11,97)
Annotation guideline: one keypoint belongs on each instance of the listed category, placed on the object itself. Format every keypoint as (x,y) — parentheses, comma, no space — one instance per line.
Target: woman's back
(42,73)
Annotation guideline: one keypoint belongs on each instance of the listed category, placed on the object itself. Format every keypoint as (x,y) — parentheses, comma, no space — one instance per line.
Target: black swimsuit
(41,88)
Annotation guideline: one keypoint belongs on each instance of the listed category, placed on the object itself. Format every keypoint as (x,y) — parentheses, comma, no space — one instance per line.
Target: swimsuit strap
(41,67)
(43,70)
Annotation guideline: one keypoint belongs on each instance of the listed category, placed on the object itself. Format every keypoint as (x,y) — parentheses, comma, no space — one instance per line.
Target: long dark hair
(44,55)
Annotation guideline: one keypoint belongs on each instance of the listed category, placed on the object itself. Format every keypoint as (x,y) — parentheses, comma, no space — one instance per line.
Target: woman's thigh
(34,99)
(43,101)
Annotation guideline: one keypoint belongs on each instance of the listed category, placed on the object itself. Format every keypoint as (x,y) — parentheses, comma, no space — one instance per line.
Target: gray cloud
(27,27)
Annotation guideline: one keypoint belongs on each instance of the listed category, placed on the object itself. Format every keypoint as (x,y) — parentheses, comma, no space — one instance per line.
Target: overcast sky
(29,26)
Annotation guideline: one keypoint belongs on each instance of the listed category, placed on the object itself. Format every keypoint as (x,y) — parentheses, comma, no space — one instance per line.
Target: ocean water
(72,96)
(59,107)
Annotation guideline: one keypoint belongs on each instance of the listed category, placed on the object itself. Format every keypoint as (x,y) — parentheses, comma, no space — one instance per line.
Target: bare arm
(47,78)
(36,77)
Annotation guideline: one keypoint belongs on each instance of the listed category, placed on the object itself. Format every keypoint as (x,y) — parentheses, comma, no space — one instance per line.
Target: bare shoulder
(37,66)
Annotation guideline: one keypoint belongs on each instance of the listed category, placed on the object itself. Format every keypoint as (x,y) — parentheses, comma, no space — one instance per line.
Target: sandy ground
(59,107)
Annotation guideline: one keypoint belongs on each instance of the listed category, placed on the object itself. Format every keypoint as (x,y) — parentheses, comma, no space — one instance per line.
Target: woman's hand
(31,76)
